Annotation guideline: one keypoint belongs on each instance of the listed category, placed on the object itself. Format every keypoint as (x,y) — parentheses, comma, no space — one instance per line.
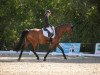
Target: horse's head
(69,29)
(65,28)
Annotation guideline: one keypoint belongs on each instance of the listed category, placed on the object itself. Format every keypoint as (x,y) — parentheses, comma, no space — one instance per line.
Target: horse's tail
(21,40)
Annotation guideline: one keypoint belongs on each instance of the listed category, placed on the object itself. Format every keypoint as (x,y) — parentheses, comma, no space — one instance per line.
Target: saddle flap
(49,31)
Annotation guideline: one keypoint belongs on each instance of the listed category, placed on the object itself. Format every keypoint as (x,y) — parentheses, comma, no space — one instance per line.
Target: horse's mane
(58,27)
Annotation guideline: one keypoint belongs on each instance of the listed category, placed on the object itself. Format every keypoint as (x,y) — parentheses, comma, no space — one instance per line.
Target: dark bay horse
(35,36)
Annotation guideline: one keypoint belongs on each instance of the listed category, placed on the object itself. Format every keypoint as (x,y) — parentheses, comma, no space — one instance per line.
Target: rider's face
(49,14)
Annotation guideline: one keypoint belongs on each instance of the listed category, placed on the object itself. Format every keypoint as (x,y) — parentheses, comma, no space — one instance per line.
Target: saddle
(49,31)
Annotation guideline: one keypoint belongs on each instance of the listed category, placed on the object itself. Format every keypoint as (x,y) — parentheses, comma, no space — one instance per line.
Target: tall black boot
(50,40)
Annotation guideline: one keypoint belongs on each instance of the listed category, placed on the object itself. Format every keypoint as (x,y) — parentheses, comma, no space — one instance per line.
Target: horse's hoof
(18,60)
(44,60)
(65,58)
(37,58)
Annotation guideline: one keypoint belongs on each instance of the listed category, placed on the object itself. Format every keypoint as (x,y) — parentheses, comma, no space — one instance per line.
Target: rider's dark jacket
(47,24)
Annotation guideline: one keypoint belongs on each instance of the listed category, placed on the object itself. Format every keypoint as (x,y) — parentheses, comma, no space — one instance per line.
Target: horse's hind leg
(51,47)
(26,43)
(46,55)
(35,54)
(62,51)
(34,45)
(20,54)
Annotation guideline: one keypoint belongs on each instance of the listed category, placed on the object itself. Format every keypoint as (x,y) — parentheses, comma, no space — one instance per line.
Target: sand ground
(55,65)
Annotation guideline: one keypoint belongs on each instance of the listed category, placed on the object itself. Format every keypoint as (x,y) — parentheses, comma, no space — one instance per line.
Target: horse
(35,37)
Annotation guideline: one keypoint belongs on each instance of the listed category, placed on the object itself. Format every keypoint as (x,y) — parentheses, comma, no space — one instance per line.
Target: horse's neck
(60,31)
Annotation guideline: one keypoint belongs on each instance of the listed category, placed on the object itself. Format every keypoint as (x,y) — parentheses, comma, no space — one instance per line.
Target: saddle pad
(52,30)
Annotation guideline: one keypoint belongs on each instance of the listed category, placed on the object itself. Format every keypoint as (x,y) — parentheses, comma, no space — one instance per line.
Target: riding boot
(50,40)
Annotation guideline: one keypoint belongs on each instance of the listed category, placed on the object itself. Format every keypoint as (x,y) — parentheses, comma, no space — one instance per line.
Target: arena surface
(55,65)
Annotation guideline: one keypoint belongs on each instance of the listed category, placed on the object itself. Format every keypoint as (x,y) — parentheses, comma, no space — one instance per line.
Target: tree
(17,15)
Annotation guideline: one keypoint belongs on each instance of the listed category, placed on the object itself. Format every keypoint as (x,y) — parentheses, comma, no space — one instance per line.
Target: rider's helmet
(47,12)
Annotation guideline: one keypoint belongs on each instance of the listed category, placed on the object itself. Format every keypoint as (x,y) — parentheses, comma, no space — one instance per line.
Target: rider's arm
(46,21)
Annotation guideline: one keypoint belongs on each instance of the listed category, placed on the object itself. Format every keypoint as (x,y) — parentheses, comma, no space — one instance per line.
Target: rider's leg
(50,40)
(49,35)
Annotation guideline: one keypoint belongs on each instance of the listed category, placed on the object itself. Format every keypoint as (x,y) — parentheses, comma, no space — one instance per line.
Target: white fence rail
(52,53)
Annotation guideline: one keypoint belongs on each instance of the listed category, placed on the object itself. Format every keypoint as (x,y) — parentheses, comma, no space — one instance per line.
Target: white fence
(52,53)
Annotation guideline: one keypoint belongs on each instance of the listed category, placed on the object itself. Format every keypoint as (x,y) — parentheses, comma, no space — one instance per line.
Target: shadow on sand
(50,59)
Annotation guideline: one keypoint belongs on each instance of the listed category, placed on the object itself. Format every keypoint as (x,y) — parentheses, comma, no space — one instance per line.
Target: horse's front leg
(62,51)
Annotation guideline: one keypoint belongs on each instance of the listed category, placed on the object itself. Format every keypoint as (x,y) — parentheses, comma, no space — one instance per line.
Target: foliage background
(17,15)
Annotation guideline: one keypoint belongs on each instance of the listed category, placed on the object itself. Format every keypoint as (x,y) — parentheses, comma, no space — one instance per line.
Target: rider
(47,24)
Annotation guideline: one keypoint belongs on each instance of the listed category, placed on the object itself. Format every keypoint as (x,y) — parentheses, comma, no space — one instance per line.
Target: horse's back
(35,35)
(35,29)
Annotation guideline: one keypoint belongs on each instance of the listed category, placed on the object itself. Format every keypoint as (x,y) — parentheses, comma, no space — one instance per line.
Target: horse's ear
(72,26)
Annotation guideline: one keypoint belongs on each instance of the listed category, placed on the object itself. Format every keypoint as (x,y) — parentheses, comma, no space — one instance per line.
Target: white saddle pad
(52,30)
